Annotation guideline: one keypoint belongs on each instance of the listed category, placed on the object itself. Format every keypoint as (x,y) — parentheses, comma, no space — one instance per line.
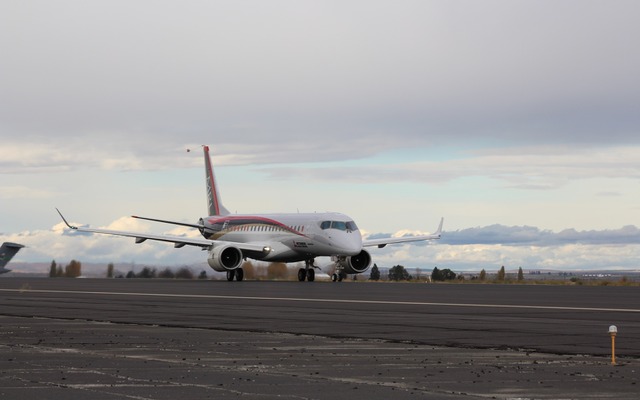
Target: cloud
(528,236)
(23,192)
(534,167)
(356,79)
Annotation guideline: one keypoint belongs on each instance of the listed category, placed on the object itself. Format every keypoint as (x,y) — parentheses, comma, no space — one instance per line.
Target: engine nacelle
(356,264)
(225,258)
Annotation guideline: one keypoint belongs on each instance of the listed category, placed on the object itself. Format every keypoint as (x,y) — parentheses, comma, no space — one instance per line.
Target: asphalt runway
(161,339)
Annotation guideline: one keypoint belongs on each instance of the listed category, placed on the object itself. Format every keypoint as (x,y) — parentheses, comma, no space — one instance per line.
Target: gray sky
(493,112)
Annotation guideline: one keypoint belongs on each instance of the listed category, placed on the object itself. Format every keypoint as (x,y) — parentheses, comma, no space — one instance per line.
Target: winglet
(65,220)
(439,231)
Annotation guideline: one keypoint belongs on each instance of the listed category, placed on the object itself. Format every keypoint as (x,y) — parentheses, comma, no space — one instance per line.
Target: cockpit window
(339,225)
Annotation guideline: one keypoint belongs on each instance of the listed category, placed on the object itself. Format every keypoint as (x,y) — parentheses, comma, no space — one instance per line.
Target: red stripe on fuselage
(250,220)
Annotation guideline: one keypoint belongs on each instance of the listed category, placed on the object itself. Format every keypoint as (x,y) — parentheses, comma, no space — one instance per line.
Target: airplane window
(339,225)
(325,225)
(352,226)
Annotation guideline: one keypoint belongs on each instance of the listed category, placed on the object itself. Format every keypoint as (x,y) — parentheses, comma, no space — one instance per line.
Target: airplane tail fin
(213,196)
(7,251)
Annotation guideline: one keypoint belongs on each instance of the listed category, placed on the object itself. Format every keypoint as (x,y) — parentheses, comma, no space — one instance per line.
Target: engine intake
(225,258)
(356,264)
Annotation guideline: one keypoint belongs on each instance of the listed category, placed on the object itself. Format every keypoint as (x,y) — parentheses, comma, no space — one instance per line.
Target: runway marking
(297,299)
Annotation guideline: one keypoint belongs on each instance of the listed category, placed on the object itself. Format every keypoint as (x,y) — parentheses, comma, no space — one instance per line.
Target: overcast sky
(507,118)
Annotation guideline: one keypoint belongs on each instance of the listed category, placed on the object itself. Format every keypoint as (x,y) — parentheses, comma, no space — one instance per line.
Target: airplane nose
(351,243)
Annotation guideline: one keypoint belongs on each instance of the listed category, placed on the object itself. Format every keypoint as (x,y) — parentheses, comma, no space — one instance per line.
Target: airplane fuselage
(292,237)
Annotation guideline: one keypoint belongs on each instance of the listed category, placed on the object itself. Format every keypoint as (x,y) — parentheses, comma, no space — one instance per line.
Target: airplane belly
(291,251)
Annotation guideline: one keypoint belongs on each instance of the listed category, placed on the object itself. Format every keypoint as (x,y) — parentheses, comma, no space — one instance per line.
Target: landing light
(266,249)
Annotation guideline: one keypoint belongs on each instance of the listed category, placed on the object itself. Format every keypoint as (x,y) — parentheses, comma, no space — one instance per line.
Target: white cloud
(516,167)
(23,192)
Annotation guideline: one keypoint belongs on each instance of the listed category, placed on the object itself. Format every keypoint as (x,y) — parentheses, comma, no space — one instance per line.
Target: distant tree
(399,273)
(110,268)
(203,275)
(147,272)
(277,271)
(501,274)
(60,271)
(483,275)
(520,274)
(166,273)
(375,273)
(442,275)
(436,275)
(73,269)
(53,270)
(131,274)
(448,275)
(249,270)
(184,273)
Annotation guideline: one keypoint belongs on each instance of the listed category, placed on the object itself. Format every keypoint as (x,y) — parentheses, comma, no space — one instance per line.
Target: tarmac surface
(167,339)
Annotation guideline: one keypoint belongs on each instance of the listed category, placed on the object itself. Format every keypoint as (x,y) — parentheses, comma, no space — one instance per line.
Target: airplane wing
(383,242)
(176,240)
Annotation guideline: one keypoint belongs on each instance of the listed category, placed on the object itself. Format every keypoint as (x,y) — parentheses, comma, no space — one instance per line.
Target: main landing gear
(307,272)
(237,273)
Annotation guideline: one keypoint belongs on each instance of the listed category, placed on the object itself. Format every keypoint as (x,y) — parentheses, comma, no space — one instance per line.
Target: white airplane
(7,251)
(231,238)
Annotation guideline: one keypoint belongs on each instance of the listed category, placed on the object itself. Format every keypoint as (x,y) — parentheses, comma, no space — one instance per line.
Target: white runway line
(295,299)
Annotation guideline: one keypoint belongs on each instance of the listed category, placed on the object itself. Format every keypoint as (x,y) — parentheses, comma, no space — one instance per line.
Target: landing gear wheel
(334,277)
(340,277)
(231,274)
(302,274)
(311,275)
(239,274)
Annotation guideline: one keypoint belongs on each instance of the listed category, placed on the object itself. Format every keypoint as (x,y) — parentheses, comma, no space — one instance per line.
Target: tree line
(400,273)
(273,271)
(71,270)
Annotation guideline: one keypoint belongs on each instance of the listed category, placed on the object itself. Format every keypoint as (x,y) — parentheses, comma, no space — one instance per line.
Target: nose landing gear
(338,276)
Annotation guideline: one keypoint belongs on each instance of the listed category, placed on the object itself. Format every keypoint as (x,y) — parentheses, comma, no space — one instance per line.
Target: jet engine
(225,258)
(355,264)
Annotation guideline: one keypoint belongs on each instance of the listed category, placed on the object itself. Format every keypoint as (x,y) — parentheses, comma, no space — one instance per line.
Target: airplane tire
(231,274)
(239,274)
(334,277)
(311,275)
(302,274)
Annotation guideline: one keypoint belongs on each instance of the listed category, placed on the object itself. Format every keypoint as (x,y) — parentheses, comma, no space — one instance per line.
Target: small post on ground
(613,330)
